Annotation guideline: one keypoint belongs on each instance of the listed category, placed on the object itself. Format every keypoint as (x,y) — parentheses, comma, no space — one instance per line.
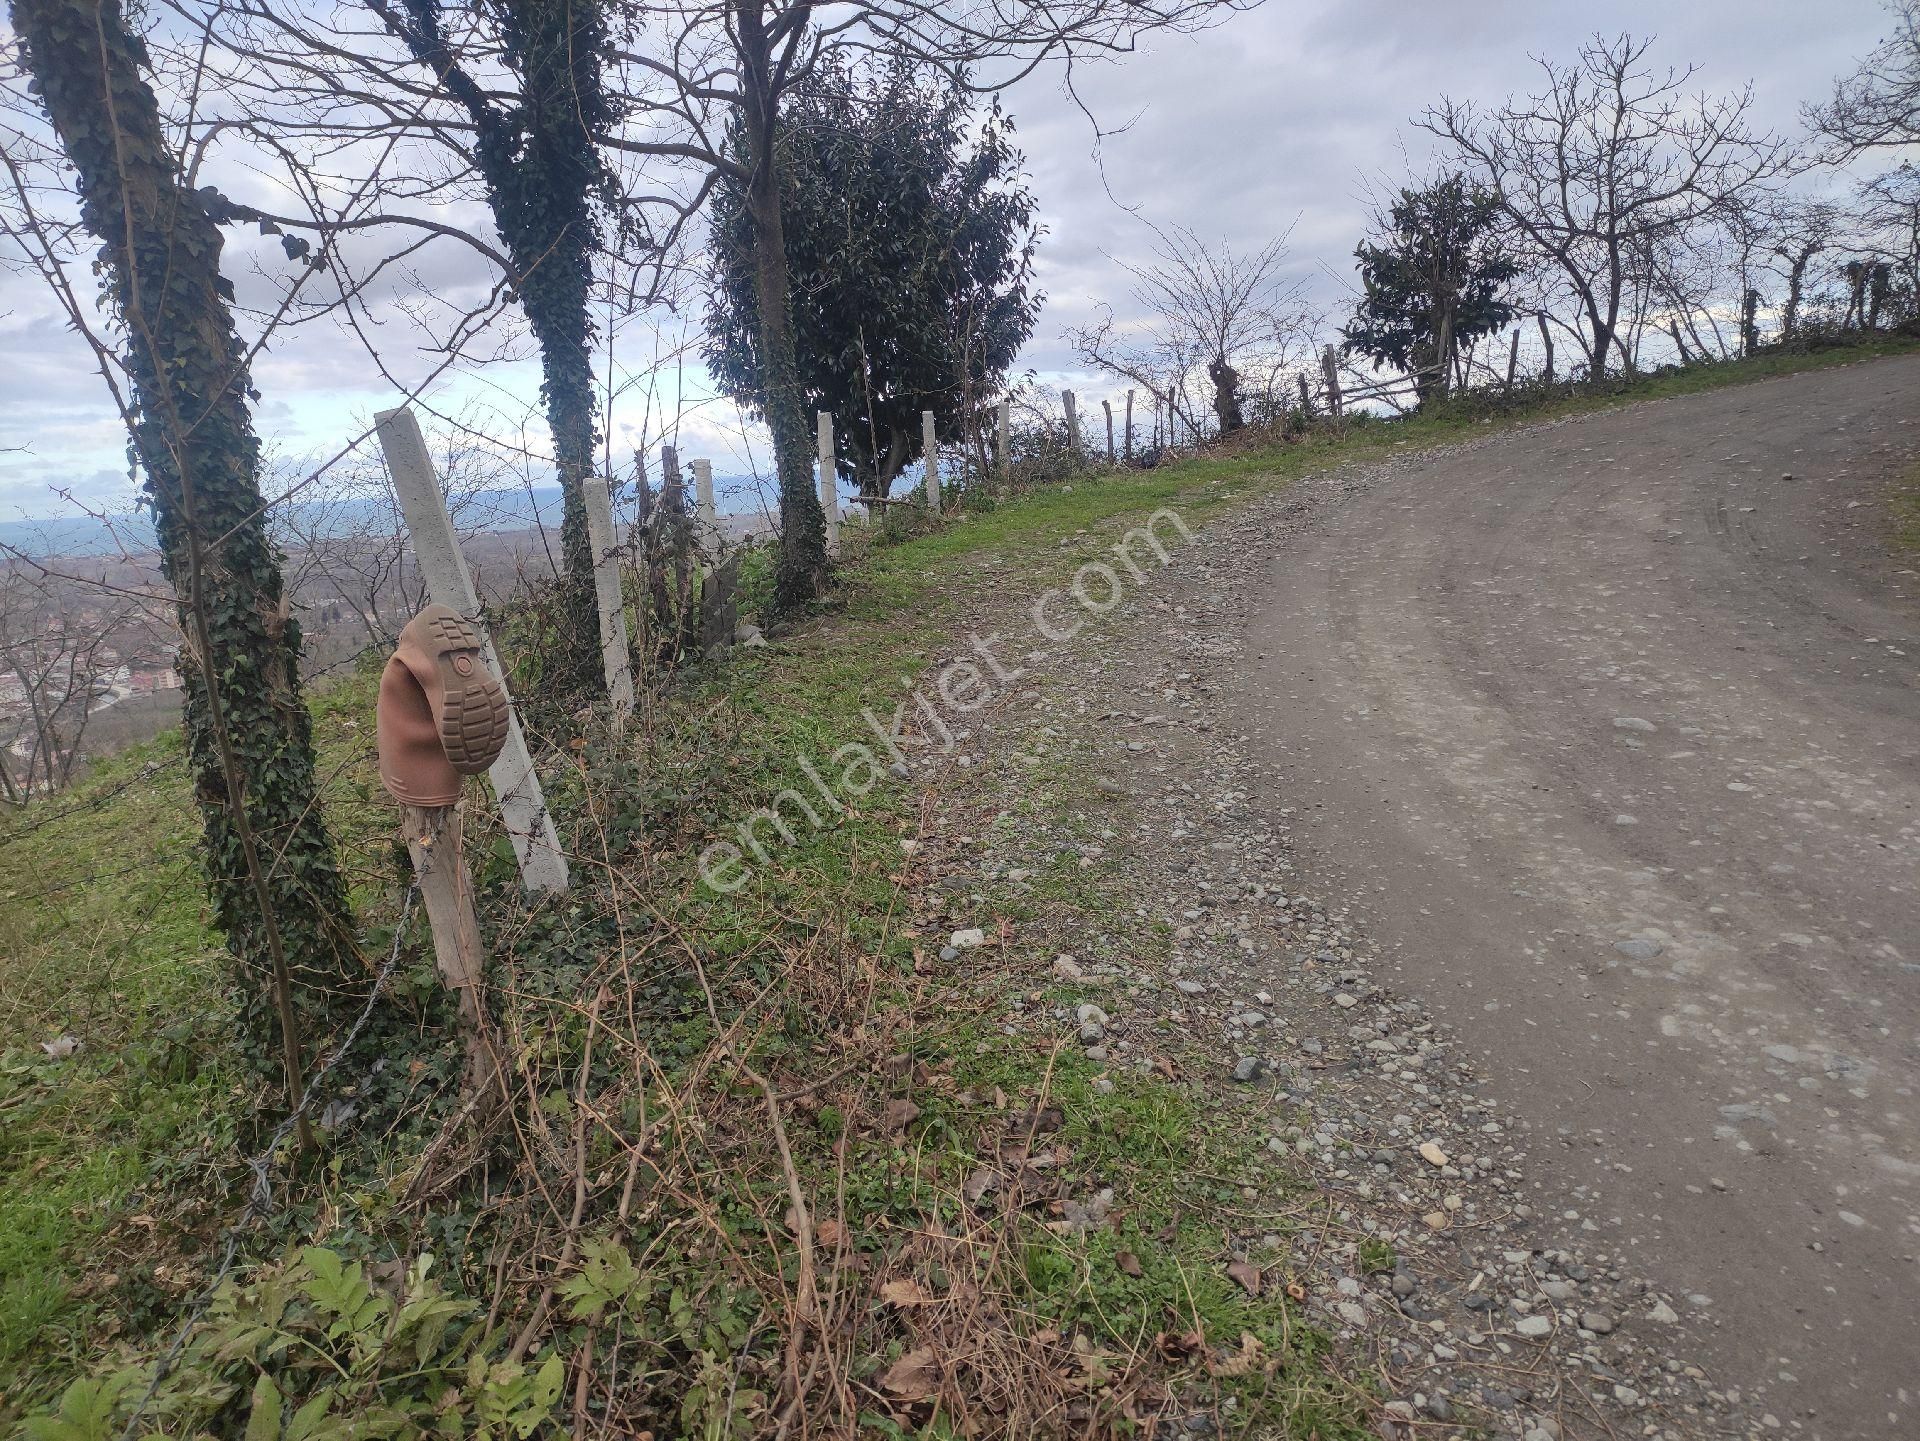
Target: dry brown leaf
(983,1180)
(1243,1362)
(914,1377)
(1176,1348)
(1247,1274)
(826,1233)
(905,1291)
(1128,1263)
(901,1114)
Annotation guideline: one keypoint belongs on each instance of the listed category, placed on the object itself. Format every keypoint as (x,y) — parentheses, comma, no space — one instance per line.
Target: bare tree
(1610,161)
(345,537)
(1887,221)
(1201,310)
(1879,104)
(67,650)
(1798,231)
(675,95)
(706,83)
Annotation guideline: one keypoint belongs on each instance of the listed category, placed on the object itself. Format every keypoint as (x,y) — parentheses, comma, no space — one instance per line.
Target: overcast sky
(1278,118)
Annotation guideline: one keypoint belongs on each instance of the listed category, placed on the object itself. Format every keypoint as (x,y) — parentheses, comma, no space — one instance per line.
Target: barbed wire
(260,1193)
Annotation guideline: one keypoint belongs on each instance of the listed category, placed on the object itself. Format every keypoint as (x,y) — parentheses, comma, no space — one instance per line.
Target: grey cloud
(1285,114)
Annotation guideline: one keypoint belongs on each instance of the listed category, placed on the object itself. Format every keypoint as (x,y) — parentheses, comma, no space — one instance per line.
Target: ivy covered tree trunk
(538,154)
(556,304)
(544,181)
(194,438)
(801,571)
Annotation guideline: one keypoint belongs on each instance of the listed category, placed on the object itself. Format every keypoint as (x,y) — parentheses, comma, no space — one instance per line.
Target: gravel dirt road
(1609,731)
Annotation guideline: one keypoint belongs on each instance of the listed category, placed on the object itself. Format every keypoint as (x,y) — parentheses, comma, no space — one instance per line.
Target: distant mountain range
(500,510)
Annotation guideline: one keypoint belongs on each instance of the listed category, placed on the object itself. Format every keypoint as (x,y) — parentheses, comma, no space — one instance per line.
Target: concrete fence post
(1003,440)
(930,454)
(616,648)
(523,806)
(1073,424)
(829,481)
(1127,439)
(1330,368)
(1513,358)
(1107,406)
(703,499)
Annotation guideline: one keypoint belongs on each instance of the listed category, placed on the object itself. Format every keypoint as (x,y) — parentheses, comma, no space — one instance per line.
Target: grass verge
(768,1156)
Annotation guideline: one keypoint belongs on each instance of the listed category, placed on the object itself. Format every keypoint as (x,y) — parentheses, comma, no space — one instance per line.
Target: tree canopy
(1432,280)
(910,236)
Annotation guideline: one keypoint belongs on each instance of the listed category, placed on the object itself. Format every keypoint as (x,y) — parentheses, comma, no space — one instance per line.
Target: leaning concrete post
(1073,425)
(1330,368)
(829,482)
(616,648)
(930,457)
(523,808)
(703,499)
(1003,440)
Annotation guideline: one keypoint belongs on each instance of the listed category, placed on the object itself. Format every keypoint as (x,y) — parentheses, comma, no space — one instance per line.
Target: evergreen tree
(1432,282)
(909,240)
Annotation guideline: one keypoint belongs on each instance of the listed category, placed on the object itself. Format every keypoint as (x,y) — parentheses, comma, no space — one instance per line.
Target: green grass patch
(106,935)
(1904,506)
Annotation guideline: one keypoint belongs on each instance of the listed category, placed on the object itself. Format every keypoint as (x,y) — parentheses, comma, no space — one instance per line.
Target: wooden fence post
(829,481)
(1546,339)
(930,457)
(1107,406)
(1003,440)
(673,487)
(433,837)
(523,806)
(1073,425)
(703,499)
(616,647)
(1306,396)
(1330,368)
(1513,358)
(1128,438)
